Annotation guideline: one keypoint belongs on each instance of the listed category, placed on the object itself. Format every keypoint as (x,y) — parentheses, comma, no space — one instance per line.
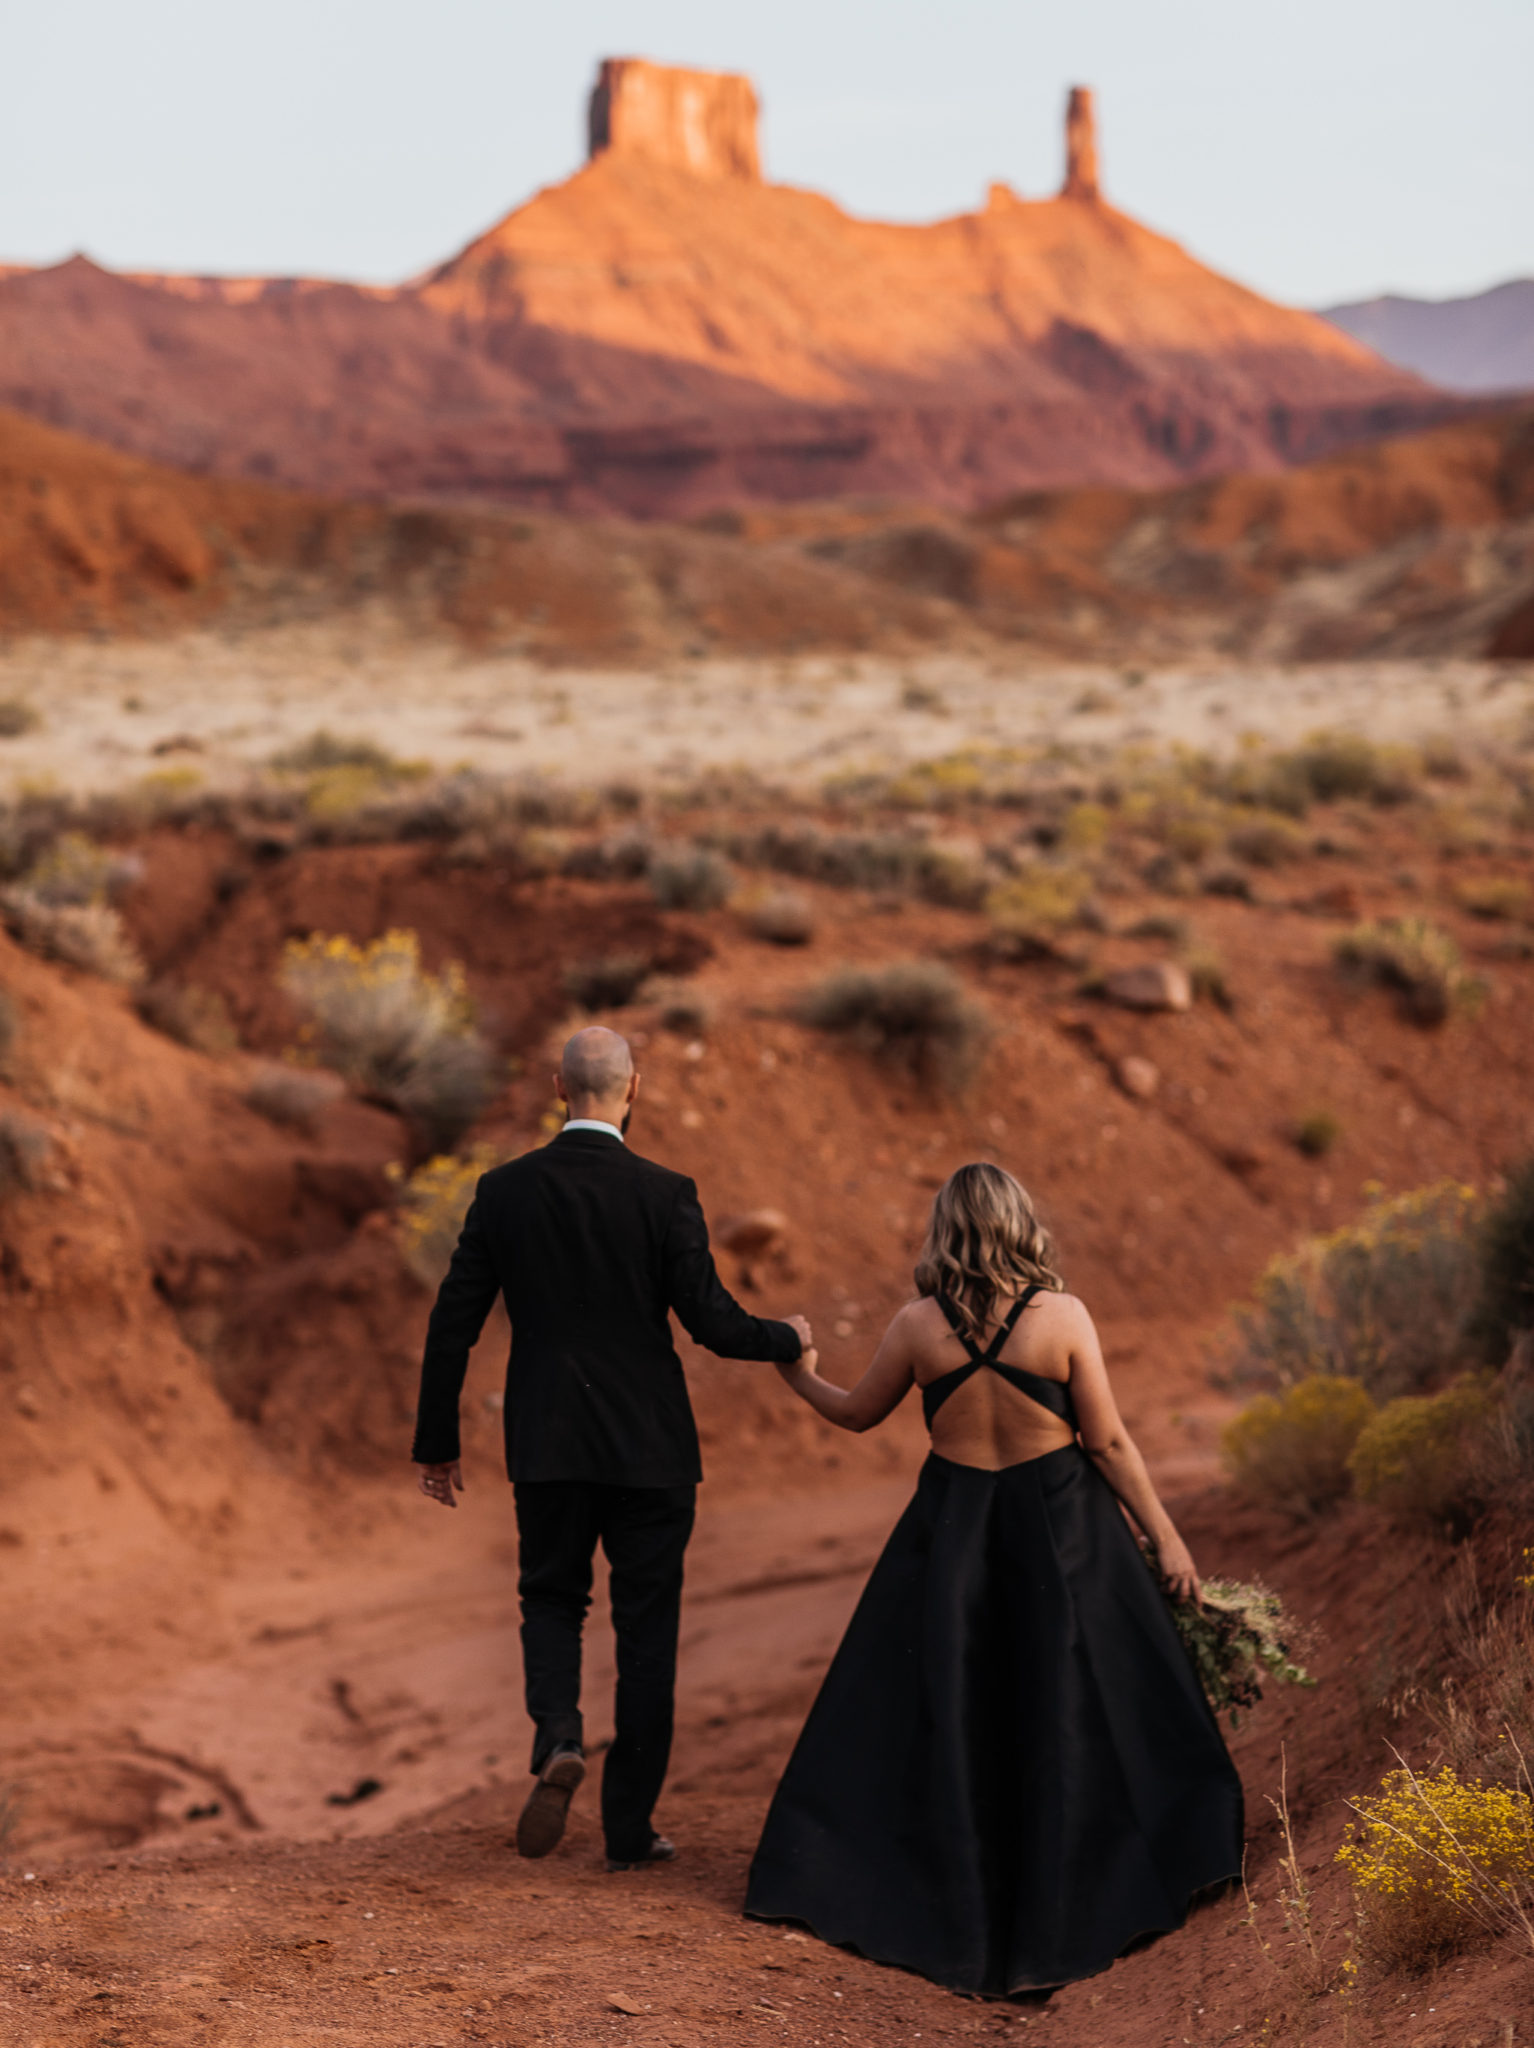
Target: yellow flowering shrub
(1387,1300)
(1291,1449)
(1422,1457)
(1031,908)
(1437,1863)
(393,1030)
(432,1205)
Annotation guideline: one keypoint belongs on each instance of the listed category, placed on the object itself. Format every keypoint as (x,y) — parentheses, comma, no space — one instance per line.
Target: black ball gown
(1011,1775)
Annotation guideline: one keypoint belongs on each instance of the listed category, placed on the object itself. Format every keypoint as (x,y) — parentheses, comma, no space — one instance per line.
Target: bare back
(987,1421)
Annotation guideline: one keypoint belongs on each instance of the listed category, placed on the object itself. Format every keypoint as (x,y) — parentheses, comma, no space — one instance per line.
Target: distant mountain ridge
(665,333)
(1481,343)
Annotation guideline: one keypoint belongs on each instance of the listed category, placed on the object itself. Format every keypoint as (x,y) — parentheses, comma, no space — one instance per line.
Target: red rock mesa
(665,332)
(699,121)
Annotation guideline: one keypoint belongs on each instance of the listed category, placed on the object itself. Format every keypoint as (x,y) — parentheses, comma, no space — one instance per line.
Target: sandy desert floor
(217,704)
(226,1706)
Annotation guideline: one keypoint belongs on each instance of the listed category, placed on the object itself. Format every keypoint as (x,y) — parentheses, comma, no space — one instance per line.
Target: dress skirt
(1011,1774)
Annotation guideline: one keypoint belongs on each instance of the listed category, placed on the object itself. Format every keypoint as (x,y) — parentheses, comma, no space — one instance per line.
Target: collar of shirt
(591,1123)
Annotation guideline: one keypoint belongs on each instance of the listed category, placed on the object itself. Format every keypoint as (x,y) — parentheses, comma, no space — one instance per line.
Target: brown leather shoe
(541,1826)
(659,1851)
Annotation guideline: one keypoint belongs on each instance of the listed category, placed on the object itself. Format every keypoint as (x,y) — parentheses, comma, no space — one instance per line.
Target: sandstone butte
(665,332)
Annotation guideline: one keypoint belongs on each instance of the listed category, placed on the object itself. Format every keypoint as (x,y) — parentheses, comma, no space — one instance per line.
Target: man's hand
(808,1357)
(441,1482)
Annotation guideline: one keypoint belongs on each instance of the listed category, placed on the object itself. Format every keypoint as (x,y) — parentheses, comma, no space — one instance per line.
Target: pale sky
(1318,150)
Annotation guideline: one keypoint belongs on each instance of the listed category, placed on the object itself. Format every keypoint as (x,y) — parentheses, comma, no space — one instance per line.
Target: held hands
(441,1482)
(808,1357)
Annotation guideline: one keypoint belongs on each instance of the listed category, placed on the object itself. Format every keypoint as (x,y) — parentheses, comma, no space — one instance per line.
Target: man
(591,1247)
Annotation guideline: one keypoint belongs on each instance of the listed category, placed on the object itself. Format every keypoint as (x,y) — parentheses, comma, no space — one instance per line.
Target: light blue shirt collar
(591,1123)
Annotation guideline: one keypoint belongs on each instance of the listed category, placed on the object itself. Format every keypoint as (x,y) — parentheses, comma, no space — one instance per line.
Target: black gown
(1011,1774)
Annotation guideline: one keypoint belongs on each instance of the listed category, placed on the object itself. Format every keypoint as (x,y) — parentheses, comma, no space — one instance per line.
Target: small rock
(756,1231)
(1153,985)
(1137,1077)
(629,2005)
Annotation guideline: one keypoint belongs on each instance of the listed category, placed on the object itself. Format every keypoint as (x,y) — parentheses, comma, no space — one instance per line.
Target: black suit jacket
(591,1246)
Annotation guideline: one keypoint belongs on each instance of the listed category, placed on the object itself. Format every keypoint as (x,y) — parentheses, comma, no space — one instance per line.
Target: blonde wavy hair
(984,1240)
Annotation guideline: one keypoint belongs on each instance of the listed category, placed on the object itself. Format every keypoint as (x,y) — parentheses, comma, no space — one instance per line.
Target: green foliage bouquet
(1239,1640)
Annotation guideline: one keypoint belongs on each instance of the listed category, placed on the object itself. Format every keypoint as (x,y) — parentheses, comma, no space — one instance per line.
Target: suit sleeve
(464,1300)
(709,1313)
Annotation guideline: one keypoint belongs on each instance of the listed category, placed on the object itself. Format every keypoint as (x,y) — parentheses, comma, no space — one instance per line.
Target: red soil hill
(664,332)
(1423,545)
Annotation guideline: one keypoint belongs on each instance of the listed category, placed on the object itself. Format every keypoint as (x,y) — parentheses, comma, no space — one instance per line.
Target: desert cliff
(665,332)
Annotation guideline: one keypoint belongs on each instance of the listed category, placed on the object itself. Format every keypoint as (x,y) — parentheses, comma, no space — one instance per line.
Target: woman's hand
(1176,1562)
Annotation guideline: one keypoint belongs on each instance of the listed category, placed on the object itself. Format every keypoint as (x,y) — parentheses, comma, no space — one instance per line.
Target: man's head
(596,1077)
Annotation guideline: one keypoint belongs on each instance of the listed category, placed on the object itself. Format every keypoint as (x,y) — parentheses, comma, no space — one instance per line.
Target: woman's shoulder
(1056,1306)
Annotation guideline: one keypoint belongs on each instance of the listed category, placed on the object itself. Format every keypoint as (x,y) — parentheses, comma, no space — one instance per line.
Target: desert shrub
(1317,1133)
(681,1005)
(1437,1864)
(193,1016)
(894,863)
(782,917)
(1494,896)
(17,717)
(1165,925)
(1424,1457)
(1188,830)
(294,1096)
(1388,1300)
(1443,758)
(623,856)
(323,751)
(1505,1308)
(25,1149)
(391,1029)
(1266,842)
(1029,911)
(915,1014)
(606,983)
(1417,959)
(1208,977)
(1340,764)
(86,935)
(1292,1449)
(75,871)
(690,878)
(432,1205)
(1086,827)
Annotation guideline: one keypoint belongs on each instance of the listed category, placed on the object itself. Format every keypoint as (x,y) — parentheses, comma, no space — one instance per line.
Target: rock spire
(698,121)
(1080,146)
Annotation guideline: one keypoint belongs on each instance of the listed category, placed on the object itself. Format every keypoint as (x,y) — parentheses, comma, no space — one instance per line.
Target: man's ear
(559,1089)
(633,1086)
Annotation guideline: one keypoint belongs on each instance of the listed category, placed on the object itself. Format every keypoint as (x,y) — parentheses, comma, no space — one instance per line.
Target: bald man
(592,1248)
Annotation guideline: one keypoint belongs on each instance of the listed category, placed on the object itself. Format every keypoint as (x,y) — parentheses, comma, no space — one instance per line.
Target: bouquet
(1238,1640)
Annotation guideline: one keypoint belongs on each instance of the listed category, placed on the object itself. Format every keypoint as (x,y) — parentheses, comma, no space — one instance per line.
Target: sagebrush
(395,1031)
(915,1014)
(1388,1300)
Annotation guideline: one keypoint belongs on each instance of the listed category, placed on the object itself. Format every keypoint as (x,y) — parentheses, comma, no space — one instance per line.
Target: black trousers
(644,1531)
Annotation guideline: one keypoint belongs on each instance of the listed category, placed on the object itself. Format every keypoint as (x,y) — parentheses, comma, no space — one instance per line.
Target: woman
(1011,1775)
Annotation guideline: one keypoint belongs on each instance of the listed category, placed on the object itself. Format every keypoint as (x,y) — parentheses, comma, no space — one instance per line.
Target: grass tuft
(1415,958)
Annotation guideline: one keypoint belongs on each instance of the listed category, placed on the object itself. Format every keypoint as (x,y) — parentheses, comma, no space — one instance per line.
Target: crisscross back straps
(1004,1329)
